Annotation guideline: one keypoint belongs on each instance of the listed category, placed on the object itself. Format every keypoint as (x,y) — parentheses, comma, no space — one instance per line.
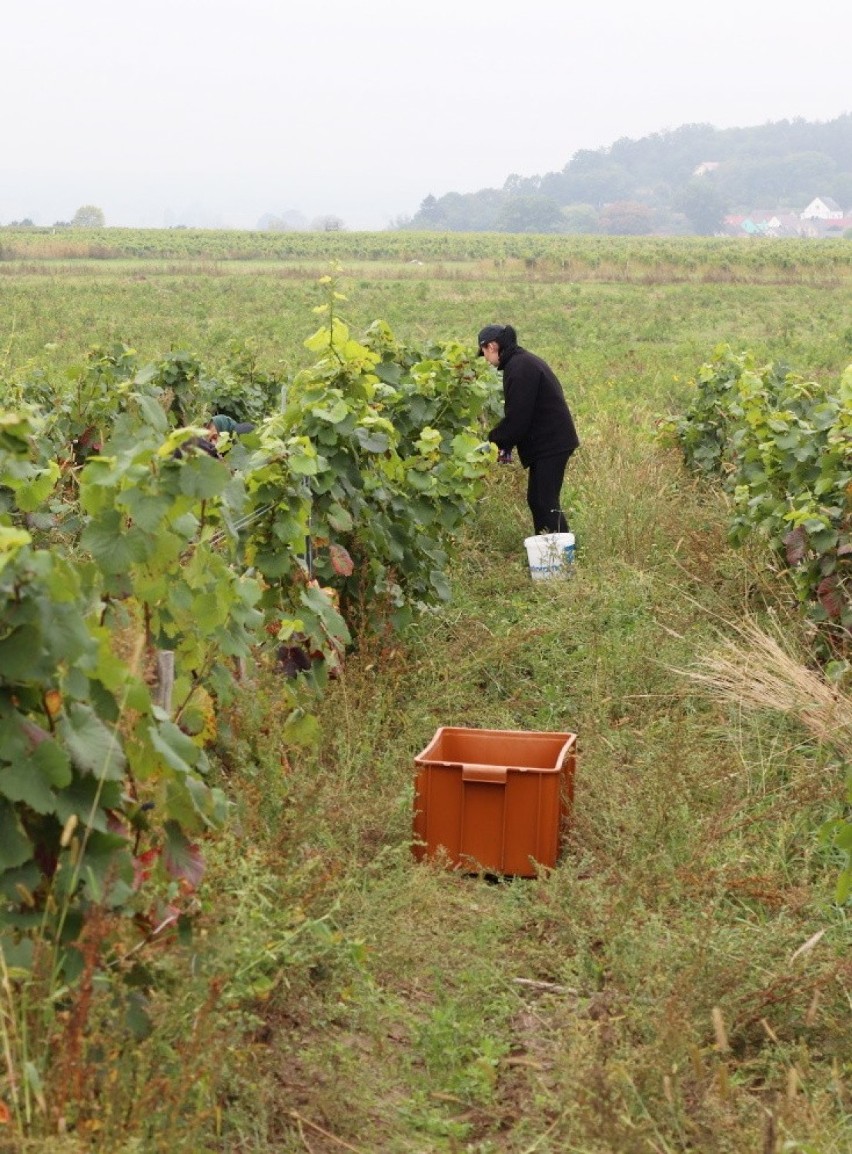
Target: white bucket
(550,555)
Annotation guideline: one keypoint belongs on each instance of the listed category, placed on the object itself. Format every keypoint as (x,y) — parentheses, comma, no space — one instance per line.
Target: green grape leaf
(15,846)
(178,751)
(95,749)
(339,518)
(34,493)
(300,728)
(25,781)
(19,652)
(372,441)
(113,546)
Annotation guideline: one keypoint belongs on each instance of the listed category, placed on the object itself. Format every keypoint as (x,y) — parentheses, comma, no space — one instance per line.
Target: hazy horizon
(185,114)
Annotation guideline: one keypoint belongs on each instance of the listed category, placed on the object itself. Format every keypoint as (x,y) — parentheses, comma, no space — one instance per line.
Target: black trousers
(544,485)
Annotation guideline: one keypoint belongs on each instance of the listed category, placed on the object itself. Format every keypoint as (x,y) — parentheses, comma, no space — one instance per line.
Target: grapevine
(122,540)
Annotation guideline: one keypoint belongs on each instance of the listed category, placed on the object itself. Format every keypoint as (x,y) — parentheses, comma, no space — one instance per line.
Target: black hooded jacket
(537,419)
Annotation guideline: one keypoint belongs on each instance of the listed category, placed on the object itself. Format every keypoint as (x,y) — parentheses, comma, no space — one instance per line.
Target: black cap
(488,334)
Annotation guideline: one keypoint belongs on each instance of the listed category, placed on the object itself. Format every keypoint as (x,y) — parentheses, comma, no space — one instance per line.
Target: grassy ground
(649,994)
(644,995)
(606,337)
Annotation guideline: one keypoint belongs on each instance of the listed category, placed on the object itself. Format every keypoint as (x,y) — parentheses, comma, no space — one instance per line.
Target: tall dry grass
(755,667)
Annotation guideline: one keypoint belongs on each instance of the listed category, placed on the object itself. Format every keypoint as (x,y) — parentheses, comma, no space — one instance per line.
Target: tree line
(86,216)
(681,181)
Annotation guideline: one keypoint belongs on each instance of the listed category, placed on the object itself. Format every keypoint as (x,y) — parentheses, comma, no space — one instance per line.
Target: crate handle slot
(495,774)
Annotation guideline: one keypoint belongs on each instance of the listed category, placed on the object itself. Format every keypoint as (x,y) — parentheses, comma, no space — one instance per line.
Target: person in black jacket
(536,421)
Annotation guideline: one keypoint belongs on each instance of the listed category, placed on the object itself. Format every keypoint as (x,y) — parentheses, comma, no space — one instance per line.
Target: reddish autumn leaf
(341,562)
(5,1114)
(143,865)
(796,542)
(181,857)
(115,823)
(829,596)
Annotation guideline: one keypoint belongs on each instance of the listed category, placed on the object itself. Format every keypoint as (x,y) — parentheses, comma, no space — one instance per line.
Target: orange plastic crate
(494,799)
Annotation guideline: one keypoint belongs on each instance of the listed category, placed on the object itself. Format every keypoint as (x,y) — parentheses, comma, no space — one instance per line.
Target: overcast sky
(215,112)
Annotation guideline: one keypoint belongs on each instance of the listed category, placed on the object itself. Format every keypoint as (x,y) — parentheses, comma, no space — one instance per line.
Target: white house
(822,208)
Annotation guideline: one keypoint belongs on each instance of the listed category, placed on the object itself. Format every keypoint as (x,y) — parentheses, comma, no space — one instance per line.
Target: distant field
(609,312)
(579,256)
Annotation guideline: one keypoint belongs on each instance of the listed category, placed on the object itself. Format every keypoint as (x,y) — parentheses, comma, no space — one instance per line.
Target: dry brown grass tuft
(755,668)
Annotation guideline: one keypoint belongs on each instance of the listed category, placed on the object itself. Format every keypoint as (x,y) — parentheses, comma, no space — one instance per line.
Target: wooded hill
(677,182)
